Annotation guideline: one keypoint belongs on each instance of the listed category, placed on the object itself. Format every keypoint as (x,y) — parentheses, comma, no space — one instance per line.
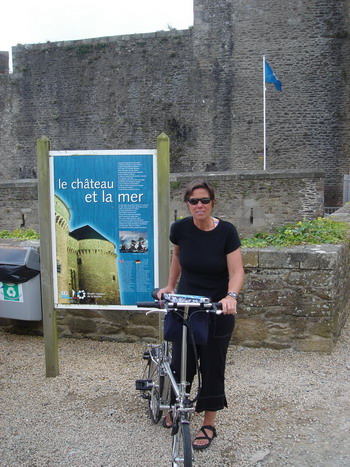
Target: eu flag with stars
(270,77)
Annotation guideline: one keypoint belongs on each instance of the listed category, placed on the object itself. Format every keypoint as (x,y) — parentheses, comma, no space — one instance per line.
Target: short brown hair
(199,183)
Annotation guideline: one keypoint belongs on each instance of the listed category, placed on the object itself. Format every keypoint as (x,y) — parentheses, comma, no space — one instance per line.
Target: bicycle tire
(182,453)
(155,393)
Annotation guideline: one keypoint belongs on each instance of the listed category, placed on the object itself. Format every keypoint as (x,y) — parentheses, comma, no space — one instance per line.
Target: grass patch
(20,234)
(317,231)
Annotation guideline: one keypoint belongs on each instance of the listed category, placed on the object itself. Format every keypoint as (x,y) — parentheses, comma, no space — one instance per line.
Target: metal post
(46,266)
(264,110)
(346,189)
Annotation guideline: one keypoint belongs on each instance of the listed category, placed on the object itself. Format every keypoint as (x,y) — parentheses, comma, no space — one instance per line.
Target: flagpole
(264,107)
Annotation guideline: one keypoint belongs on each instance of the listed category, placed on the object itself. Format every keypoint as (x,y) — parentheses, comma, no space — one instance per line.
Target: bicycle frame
(160,375)
(182,385)
(179,389)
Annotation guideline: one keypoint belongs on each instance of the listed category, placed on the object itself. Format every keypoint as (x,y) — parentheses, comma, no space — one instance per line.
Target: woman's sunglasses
(195,201)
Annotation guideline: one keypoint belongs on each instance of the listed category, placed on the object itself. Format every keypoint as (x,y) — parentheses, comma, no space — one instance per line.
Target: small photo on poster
(133,242)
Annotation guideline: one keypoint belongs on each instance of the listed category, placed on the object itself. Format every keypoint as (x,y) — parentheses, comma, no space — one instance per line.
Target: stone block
(250,257)
(122,317)
(278,312)
(279,328)
(251,331)
(303,257)
(311,279)
(142,331)
(322,257)
(269,297)
(80,325)
(274,258)
(139,318)
(265,279)
(109,328)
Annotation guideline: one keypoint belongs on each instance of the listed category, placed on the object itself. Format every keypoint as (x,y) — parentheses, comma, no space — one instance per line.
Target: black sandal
(206,436)
(164,423)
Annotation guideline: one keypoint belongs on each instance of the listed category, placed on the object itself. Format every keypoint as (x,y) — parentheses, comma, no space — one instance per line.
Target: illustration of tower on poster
(86,263)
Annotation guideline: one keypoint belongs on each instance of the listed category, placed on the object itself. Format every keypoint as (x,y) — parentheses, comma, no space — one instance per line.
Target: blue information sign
(105,227)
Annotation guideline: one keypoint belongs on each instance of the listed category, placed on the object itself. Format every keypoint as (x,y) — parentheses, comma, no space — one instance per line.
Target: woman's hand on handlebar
(166,289)
(229,305)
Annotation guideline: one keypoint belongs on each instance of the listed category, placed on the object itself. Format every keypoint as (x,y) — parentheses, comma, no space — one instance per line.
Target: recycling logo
(11,292)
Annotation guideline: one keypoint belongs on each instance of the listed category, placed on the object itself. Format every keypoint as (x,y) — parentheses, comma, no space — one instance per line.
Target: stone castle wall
(202,86)
(252,200)
(292,298)
(19,204)
(4,62)
(257,201)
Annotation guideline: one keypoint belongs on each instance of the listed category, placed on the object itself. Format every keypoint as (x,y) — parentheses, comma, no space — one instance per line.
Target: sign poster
(105,227)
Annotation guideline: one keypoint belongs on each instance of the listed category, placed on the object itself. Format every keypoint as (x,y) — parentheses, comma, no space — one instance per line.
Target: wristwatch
(233,295)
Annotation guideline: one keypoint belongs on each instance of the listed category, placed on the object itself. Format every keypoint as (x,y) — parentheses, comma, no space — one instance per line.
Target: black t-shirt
(203,257)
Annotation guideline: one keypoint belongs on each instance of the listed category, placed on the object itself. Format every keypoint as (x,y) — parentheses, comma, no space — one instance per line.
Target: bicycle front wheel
(182,446)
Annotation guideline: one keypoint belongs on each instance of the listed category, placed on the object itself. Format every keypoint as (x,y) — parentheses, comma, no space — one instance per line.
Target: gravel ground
(285,408)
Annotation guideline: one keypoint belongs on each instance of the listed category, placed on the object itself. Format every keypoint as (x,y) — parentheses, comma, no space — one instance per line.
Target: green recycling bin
(20,292)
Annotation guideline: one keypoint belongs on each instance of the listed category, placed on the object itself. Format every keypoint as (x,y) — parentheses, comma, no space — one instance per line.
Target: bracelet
(233,295)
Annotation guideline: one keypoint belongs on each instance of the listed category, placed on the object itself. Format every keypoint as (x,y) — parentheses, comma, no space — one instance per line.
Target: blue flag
(270,77)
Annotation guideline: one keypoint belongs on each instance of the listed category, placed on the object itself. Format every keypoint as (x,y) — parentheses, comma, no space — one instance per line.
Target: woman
(207,261)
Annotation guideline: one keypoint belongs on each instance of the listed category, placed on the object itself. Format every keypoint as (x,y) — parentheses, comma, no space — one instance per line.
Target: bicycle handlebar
(214,307)
(179,301)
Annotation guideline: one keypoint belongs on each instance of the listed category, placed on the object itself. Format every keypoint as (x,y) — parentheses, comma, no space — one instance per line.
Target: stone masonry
(256,201)
(202,86)
(292,298)
(252,200)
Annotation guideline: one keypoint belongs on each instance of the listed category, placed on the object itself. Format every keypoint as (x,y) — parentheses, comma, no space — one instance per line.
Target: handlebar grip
(154,293)
(148,304)
(218,308)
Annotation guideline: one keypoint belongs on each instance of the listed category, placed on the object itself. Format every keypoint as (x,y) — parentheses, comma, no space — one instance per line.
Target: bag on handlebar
(198,324)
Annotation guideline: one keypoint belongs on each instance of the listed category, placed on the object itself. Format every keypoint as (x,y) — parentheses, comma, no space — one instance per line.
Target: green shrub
(321,230)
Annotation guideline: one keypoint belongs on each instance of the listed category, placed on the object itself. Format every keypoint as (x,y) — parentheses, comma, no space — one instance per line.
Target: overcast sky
(35,21)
